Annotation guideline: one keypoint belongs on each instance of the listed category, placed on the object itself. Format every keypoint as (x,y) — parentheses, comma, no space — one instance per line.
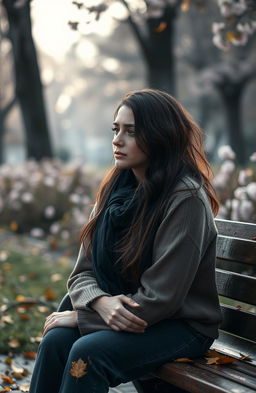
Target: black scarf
(111,226)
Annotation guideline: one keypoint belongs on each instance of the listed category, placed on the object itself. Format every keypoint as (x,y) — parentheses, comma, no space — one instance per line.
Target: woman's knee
(58,337)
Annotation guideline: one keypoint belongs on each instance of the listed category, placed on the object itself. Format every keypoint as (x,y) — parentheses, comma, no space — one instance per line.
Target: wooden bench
(236,251)
(236,280)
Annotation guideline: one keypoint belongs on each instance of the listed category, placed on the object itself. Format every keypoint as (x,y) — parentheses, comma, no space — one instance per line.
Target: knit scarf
(113,222)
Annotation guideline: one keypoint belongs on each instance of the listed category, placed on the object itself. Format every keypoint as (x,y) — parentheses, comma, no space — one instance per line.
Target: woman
(143,289)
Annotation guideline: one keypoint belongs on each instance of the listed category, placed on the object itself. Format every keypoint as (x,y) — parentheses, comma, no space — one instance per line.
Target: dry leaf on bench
(245,357)
(183,360)
(78,369)
(221,360)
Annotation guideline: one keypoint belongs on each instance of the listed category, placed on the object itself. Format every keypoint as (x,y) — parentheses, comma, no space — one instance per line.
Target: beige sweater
(180,283)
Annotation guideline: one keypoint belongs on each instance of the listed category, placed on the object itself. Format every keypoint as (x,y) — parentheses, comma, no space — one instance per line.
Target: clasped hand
(112,311)
(110,308)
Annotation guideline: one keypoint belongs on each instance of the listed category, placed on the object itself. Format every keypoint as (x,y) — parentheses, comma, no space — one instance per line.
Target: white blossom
(246,209)
(244,177)
(37,232)
(74,198)
(225,152)
(49,211)
(65,234)
(240,193)
(49,181)
(251,190)
(234,211)
(253,157)
(54,228)
(228,167)
(27,197)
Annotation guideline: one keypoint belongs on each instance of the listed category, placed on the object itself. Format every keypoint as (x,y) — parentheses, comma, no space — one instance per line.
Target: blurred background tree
(28,87)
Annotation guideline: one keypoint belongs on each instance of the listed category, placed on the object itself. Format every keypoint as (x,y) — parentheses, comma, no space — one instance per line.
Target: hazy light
(63,103)
(47,75)
(50,28)
(87,52)
(111,65)
(118,10)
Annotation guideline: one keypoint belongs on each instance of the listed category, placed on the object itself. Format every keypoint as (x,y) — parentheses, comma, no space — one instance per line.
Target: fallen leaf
(245,357)
(14,343)
(8,361)
(183,360)
(49,294)
(78,368)
(32,275)
(20,298)
(24,317)
(7,379)
(36,339)
(6,319)
(43,309)
(13,226)
(7,266)
(3,256)
(185,5)
(24,388)
(17,375)
(29,355)
(221,360)
(161,27)
(56,277)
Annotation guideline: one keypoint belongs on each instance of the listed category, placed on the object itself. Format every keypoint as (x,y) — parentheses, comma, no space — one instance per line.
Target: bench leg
(155,385)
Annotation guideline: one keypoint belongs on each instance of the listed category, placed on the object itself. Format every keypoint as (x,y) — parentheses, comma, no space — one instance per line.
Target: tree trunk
(157,48)
(28,83)
(231,96)
(160,61)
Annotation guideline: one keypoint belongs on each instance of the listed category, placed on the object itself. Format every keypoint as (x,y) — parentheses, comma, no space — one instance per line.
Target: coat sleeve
(177,252)
(82,284)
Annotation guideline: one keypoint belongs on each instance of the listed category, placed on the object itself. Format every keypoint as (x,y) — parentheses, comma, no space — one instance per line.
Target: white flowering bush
(47,200)
(236,188)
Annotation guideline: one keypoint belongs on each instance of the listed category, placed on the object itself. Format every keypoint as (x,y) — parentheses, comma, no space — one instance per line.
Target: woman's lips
(118,154)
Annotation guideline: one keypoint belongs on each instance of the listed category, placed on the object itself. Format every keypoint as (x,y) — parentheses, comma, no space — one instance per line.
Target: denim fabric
(112,357)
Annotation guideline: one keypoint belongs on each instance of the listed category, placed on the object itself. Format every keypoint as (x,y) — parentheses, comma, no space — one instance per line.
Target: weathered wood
(236,286)
(236,250)
(239,322)
(243,230)
(197,380)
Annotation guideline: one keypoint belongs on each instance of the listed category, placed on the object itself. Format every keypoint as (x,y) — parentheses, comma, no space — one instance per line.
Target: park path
(28,364)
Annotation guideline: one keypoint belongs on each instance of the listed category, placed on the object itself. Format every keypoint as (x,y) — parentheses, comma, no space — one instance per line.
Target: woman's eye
(115,130)
(131,132)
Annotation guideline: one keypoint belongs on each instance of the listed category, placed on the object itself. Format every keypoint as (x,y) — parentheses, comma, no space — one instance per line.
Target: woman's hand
(60,319)
(112,310)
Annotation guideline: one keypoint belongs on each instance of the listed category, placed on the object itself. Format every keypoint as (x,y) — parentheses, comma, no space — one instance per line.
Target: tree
(28,87)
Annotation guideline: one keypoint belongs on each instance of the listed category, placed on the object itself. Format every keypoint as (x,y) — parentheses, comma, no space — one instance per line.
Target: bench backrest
(237,245)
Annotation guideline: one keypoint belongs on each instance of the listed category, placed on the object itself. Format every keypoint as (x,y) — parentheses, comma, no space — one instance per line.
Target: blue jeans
(112,357)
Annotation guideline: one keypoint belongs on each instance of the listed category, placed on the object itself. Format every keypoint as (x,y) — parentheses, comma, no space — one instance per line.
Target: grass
(23,276)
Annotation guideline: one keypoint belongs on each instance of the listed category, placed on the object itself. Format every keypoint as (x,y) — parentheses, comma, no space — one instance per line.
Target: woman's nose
(118,140)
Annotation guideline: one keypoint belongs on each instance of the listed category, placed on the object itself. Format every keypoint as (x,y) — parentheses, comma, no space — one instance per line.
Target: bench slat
(235,346)
(238,322)
(236,250)
(243,230)
(193,379)
(236,286)
(231,373)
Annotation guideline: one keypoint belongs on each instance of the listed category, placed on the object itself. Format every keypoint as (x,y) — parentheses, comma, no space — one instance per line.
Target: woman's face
(127,153)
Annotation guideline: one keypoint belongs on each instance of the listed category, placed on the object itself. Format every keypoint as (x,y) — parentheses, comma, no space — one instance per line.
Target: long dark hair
(166,132)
